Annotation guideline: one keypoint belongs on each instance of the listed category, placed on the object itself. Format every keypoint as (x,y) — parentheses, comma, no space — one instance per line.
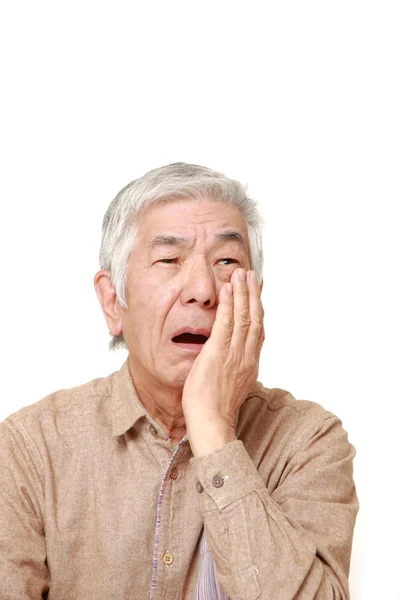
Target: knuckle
(242,291)
(227,323)
(244,320)
(251,365)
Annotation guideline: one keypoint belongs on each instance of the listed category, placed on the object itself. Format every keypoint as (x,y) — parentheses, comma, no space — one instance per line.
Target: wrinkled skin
(173,286)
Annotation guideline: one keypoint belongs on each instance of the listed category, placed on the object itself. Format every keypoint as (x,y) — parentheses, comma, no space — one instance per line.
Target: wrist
(206,438)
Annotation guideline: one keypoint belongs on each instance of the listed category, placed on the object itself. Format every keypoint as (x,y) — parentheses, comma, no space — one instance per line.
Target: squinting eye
(171,261)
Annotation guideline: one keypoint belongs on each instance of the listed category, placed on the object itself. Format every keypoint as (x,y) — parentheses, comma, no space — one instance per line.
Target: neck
(162,402)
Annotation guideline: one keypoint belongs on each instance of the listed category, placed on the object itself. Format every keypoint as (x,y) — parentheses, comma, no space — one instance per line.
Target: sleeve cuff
(225,476)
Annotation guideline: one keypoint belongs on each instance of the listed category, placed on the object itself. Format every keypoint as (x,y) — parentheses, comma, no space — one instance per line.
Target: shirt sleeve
(23,569)
(292,543)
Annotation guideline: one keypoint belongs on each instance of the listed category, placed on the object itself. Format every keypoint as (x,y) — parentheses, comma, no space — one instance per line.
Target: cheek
(224,275)
(159,293)
(151,305)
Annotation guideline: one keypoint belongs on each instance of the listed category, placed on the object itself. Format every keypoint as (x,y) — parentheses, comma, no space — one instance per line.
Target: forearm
(259,550)
(260,554)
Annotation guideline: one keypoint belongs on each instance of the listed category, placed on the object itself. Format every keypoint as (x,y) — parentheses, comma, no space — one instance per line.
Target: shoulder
(280,433)
(274,408)
(61,404)
(272,400)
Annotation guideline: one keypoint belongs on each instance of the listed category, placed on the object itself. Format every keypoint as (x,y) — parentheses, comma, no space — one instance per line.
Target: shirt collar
(127,408)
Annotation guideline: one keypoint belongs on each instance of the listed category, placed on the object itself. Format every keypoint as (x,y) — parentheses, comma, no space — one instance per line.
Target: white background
(300,100)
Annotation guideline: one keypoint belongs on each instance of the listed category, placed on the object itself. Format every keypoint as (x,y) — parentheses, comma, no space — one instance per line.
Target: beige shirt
(80,478)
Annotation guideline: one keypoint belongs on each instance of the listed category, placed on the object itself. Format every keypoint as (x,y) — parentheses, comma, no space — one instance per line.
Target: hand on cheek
(227,367)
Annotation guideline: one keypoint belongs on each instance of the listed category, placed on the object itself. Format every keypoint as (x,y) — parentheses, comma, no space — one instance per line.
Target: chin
(178,374)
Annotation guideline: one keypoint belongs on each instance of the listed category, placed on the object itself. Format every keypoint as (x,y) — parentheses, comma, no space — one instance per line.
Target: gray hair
(171,182)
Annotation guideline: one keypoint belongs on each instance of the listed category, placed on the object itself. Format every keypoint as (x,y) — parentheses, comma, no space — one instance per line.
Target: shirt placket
(166,563)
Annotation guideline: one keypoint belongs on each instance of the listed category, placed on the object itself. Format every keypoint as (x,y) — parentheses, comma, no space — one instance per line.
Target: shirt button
(199,487)
(153,430)
(168,559)
(174,473)
(217,481)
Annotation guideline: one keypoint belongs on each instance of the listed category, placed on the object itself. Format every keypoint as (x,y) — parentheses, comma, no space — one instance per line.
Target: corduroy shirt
(96,502)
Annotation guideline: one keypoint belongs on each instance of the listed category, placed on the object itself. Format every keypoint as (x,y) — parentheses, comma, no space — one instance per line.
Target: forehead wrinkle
(230,235)
(174,240)
(168,240)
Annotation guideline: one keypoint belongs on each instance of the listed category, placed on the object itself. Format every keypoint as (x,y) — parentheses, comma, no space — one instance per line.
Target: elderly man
(180,476)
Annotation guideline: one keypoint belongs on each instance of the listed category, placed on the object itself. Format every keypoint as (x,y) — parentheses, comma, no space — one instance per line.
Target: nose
(199,285)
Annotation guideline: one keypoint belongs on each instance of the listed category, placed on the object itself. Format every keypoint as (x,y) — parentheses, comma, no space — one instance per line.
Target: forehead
(192,218)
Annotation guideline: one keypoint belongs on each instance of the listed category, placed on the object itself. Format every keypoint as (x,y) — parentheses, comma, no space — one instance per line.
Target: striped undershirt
(208,587)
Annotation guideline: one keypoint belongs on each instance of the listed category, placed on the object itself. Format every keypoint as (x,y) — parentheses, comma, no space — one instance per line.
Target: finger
(241,316)
(261,339)
(260,343)
(223,325)
(256,315)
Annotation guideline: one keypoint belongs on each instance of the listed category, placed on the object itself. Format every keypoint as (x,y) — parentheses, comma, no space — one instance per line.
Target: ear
(108,299)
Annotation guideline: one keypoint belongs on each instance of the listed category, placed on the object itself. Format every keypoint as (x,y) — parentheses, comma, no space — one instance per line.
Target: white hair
(171,182)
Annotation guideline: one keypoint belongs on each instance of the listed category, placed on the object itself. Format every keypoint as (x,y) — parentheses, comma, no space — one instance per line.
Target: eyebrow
(173,240)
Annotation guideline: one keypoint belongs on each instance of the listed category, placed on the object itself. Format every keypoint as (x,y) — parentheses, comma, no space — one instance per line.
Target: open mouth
(189,338)
(190,341)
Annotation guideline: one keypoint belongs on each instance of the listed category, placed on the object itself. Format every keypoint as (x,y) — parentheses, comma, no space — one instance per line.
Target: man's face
(173,285)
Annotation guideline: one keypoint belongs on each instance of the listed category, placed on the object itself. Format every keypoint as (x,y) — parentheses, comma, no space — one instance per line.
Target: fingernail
(241,273)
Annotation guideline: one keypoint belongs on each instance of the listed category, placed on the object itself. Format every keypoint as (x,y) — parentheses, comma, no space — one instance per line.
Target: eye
(171,261)
(168,261)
